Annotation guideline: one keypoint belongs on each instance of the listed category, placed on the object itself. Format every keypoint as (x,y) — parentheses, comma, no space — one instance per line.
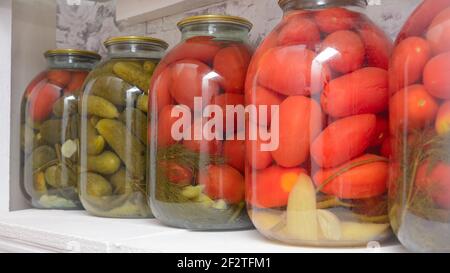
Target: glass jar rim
(215,18)
(312,3)
(72,52)
(136,40)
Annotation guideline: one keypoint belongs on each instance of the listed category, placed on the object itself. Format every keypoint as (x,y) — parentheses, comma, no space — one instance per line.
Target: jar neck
(135,51)
(291,5)
(221,31)
(71,62)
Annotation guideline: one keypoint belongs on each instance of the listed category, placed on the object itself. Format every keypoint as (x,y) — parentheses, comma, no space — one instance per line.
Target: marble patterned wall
(86,23)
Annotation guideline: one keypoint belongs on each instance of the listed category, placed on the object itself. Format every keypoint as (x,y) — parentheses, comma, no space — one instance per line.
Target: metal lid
(320,3)
(72,52)
(214,18)
(137,40)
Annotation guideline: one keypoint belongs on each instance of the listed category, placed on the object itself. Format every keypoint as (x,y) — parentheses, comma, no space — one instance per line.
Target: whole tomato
(223,182)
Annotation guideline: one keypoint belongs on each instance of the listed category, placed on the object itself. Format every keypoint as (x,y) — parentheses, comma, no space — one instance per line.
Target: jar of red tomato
(419,192)
(316,168)
(49,134)
(196,127)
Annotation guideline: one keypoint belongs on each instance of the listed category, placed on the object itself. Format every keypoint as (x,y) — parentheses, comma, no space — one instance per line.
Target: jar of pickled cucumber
(316,169)
(49,132)
(113,129)
(419,192)
(196,149)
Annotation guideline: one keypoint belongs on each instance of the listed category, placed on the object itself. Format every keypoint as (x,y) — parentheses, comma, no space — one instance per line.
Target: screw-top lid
(322,3)
(72,52)
(214,18)
(136,40)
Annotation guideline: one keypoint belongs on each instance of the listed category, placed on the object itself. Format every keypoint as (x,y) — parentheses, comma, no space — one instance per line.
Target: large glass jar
(316,171)
(49,132)
(196,152)
(113,129)
(419,192)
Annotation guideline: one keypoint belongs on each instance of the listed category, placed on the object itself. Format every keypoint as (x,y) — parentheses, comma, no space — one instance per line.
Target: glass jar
(113,129)
(316,172)
(419,192)
(49,132)
(196,152)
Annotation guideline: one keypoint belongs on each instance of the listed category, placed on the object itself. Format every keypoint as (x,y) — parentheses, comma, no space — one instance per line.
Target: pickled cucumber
(58,131)
(136,121)
(115,90)
(95,143)
(97,106)
(41,156)
(66,105)
(97,185)
(39,183)
(149,67)
(51,131)
(30,139)
(106,163)
(130,150)
(132,75)
(123,184)
(59,176)
(142,103)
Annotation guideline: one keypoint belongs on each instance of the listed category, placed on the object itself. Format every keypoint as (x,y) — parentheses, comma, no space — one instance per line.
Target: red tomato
(231,100)
(343,140)
(270,188)
(292,70)
(300,123)
(176,173)
(435,182)
(37,83)
(355,182)
(436,77)
(200,143)
(381,131)
(40,104)
(165,123)
(77,82)
(364,91)
(407,62)
(439,32)
(234,152)
(378,45)
(350,49)
(269,42)
(60,78)
(256,157)
(223,182)
(202,48)
(335,19)
(411,108)
(231,64)
(419,21)
(386,147)
(264,97)
(160,92)
(299,30)
(190,79)
(443,119)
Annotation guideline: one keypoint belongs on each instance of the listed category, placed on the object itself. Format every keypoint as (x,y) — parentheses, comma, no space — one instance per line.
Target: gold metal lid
(136,39)
(72,52)
(319,3)
(213,18)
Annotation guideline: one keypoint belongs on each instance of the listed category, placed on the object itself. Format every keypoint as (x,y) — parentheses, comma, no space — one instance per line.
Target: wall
(32,34)
(5,87)
(87,24)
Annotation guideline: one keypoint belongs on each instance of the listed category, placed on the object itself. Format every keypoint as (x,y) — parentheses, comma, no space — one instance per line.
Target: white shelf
(76,231)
